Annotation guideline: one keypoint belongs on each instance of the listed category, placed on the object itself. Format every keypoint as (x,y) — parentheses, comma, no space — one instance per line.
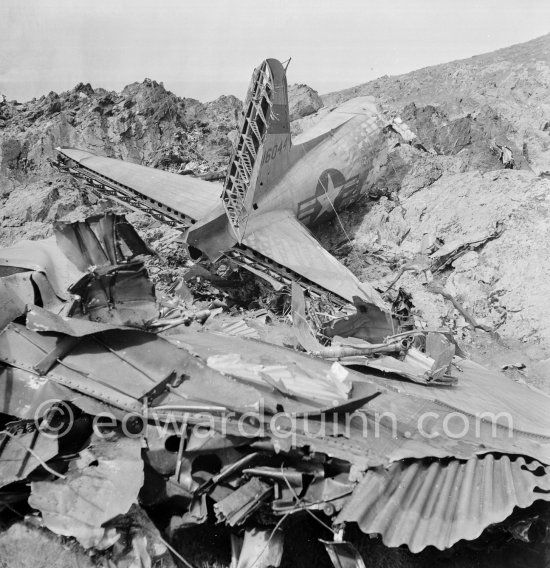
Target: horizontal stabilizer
(180,197)
(280,237)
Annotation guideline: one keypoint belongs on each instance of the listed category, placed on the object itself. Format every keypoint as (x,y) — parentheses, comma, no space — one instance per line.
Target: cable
(277,526)
(33,454)
(325,189)
(298,500)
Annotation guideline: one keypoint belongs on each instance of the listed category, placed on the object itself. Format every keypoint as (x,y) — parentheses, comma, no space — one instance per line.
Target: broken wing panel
(282,238)
(190,197)
(486,395)
(43,256)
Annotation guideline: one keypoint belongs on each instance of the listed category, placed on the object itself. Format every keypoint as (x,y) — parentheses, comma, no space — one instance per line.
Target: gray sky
(203,49)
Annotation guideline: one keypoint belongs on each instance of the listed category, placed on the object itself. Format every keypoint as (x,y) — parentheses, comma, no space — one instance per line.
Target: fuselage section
(326,166)
(319,173)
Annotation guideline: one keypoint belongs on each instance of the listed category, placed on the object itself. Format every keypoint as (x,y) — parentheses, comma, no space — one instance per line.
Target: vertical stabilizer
(262,150)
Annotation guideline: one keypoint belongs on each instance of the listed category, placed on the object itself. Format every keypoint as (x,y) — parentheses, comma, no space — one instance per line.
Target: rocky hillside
(509,85)
(481,160)
(144,123)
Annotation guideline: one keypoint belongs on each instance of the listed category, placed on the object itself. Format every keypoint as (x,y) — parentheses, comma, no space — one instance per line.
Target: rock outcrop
(303,101)
(482,156)
(145,124)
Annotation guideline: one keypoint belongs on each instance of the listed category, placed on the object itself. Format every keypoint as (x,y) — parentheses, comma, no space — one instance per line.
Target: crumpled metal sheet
(100,240)
(115,287)
(46,297)
(98,259)
(248,359)
(123,367)
(12,304)
(415,366)
(118,295)
(117,367)
(424,503)
(22,289)
(481,390)
(103,483)
(372,441)
(448,430)
(252,353)
(329,388)
(16,462)
(43,256)
(39,319)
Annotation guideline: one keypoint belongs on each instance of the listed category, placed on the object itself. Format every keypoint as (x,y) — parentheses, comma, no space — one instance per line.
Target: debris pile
(489,101)
(119,407)
(143,395)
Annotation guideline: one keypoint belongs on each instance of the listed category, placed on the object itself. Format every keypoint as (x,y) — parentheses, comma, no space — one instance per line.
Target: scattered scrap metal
(115,402)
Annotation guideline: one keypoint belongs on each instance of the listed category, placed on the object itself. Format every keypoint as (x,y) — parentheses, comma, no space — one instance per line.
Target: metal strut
(249,258)
(101,187)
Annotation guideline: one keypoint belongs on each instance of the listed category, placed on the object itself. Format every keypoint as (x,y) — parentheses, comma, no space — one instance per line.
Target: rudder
(262,150)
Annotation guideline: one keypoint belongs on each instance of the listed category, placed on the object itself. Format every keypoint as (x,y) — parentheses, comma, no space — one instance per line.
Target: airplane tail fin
(262,150)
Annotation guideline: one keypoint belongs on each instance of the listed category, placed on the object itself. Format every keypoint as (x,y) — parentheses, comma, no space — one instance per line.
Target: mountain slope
(514,82)
(467,115)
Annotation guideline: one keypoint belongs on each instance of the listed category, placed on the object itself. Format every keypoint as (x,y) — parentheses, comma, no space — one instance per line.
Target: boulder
(303,101)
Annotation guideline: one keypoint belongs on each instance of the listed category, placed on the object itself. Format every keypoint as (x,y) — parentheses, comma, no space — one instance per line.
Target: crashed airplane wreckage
(274,189)
(101,414)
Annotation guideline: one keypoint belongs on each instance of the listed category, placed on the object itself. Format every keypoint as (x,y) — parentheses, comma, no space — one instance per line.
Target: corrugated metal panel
(432,502)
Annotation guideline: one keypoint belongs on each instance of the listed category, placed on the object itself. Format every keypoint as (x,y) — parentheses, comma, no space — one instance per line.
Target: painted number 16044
(276,149)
